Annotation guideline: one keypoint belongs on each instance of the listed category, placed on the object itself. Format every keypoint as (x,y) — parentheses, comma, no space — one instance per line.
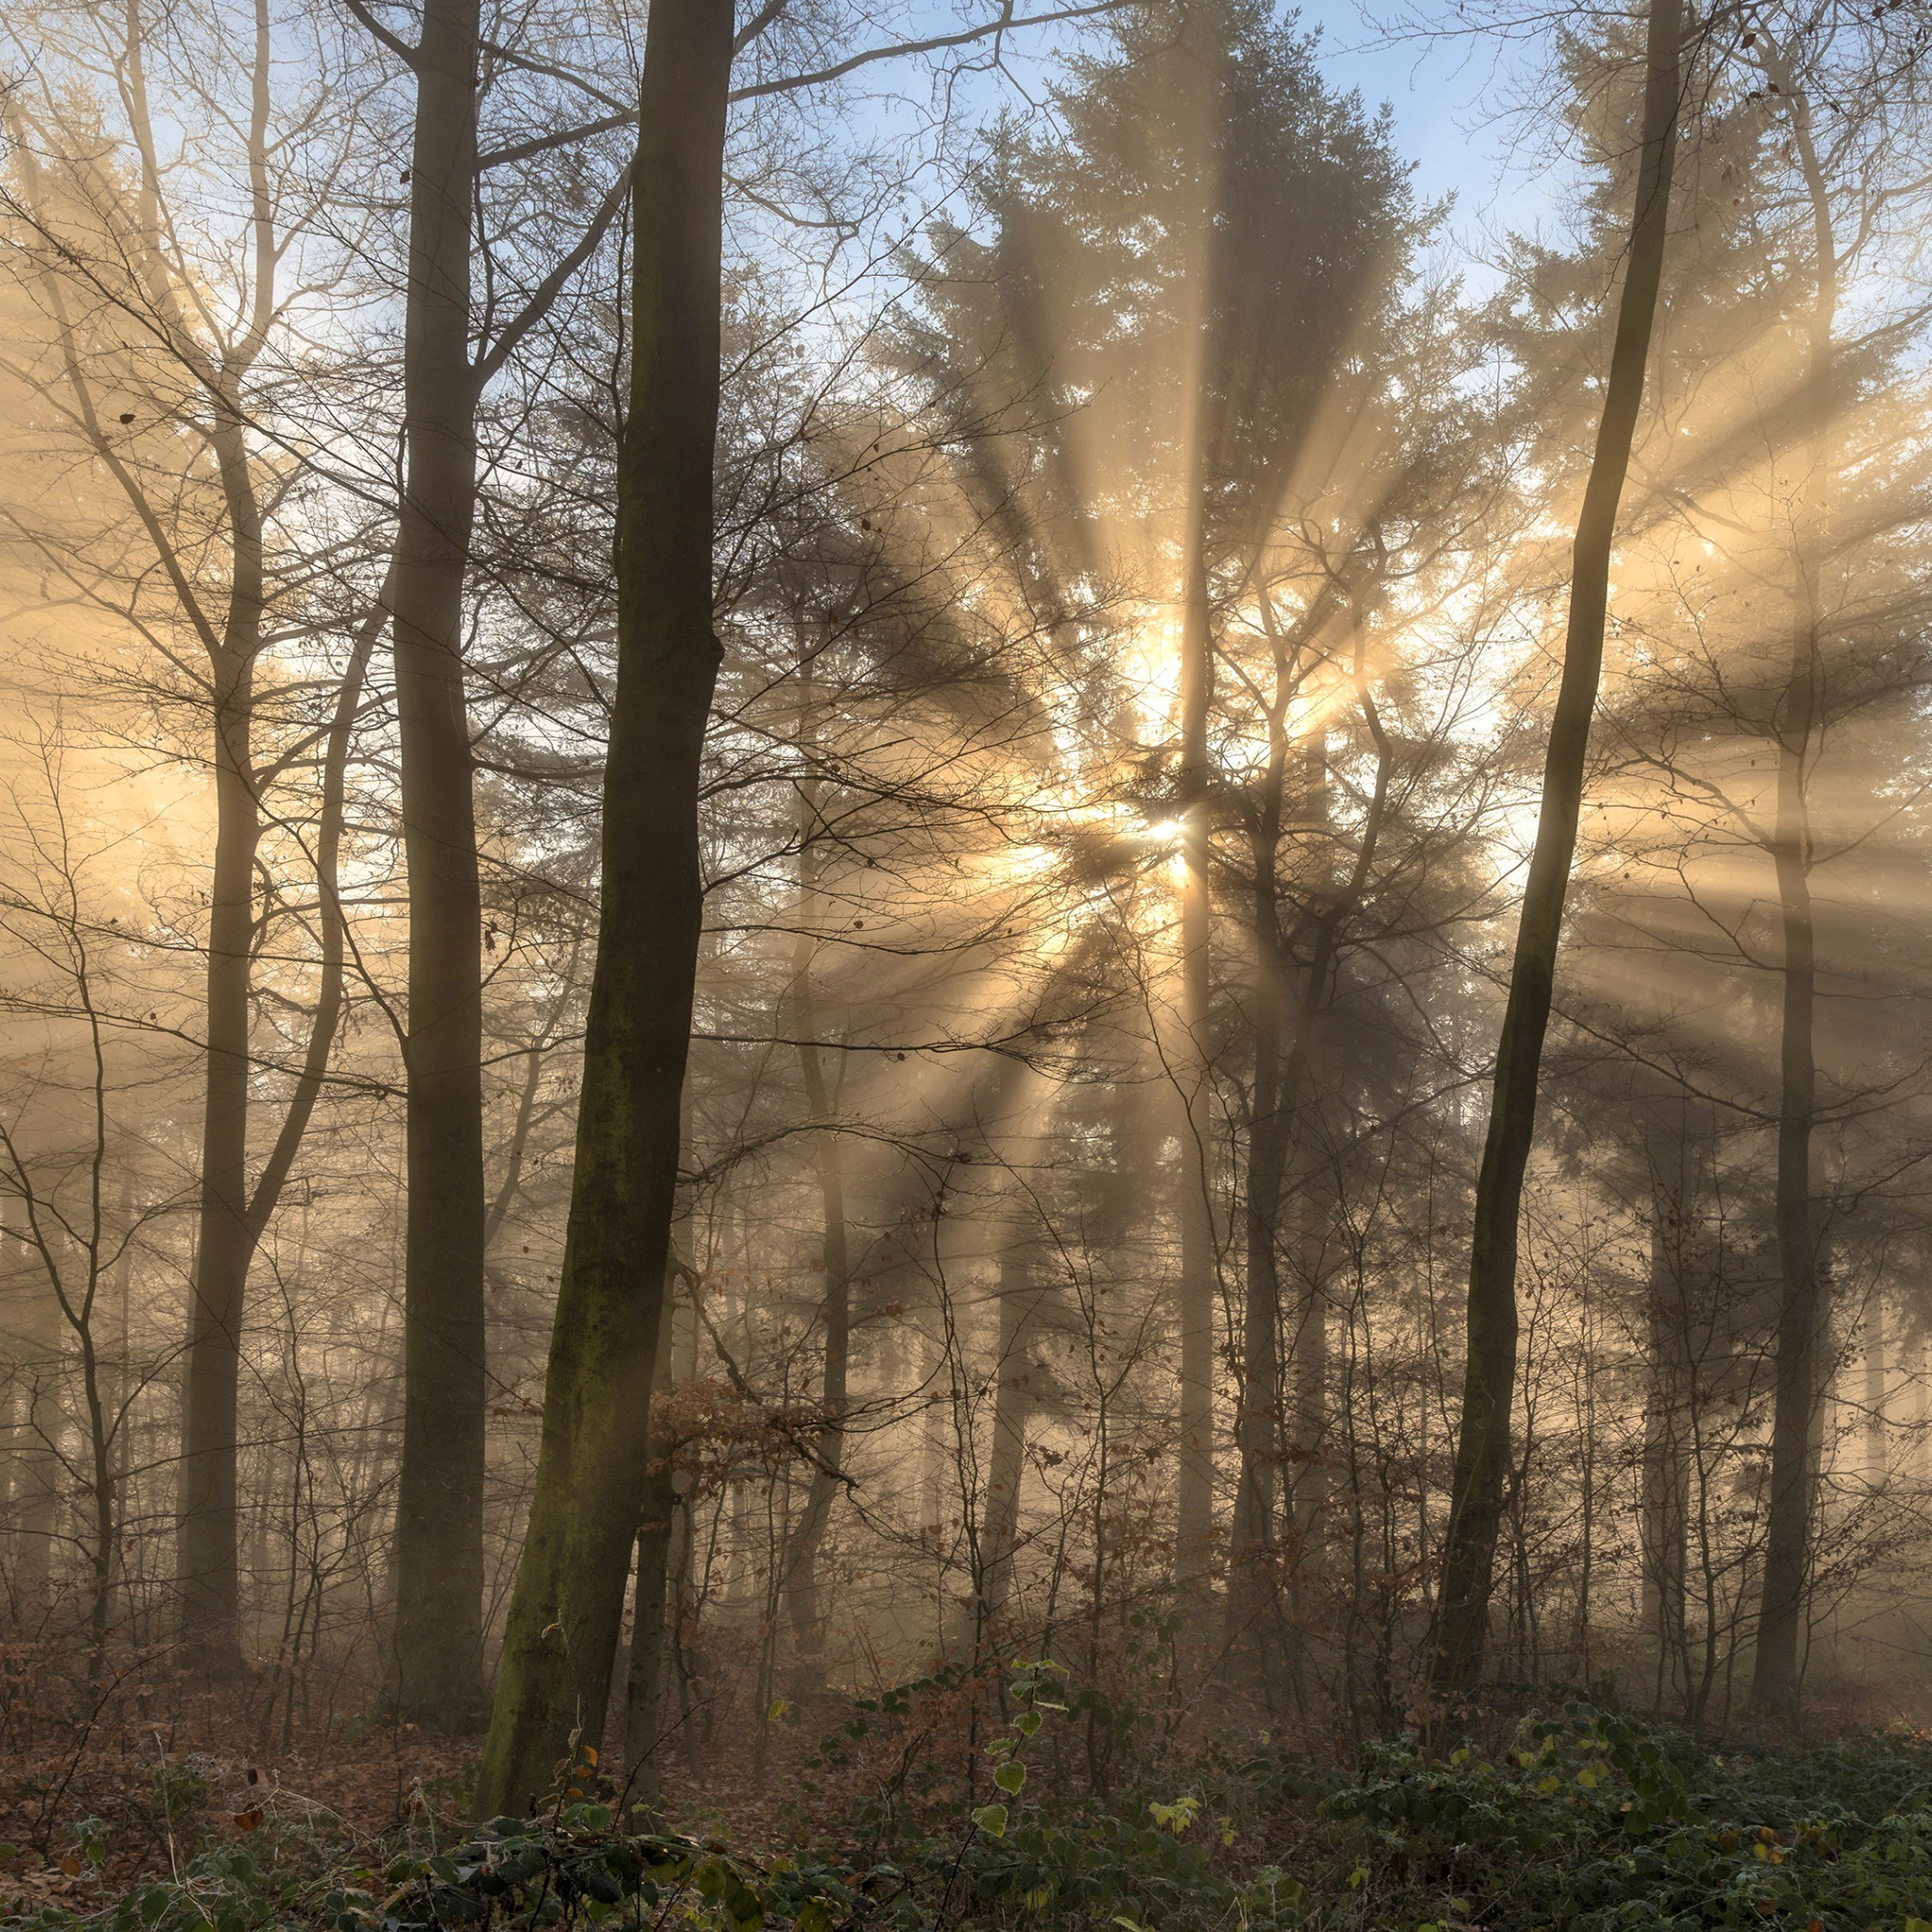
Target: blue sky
(1450,99)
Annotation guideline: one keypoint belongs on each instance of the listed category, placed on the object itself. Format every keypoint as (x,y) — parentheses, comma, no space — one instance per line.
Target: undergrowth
(1591,1820)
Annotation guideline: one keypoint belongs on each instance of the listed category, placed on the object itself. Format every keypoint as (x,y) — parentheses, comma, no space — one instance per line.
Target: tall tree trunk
(1482,1446)
(800,1569)
(207,1574)
(1282,1065)
(1194,1501)
(1199,105)
(1259,1440)
(591,1474)
(1794,1473)
(1802,1307)
(437,1661)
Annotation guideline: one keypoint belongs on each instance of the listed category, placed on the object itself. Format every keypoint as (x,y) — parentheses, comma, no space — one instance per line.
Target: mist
(896,899)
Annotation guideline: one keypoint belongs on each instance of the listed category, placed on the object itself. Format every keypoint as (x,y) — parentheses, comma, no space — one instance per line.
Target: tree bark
(437,1660)
(207,1574)
(590,1476)
(1482,1450)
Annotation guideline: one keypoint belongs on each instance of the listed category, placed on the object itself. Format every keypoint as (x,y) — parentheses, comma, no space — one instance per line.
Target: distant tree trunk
(1195,1503)
(1875,1430)
(1310,1442)
(437,1661)
(567,1607)
(1482,1449)
(1012,1403)
(1803,1303)
(233,1214)
(644,1691)
(1258,1444)
(1666,1521)
(801,1563)
(1251,1581)
(231,1219)
(33,1498)
(1283,1061)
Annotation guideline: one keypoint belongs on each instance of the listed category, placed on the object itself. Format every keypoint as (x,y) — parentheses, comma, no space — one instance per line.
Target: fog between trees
(762,863)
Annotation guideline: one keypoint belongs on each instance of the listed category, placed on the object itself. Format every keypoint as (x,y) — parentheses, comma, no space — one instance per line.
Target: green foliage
(1592,1821)
(575,1868)
(1598,1820)
(227,1890)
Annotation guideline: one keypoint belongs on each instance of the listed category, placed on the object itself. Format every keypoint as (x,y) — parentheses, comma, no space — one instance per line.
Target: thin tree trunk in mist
(1194,1494)
(801,1563)
(1667,1419)
(1482,1448)
(644,1690)
(1874,1392)
(1310,1442)
(565,1614)
(33,1487)
(233,1216)
(1802,1305)
(1012,1403)
(437,1661)
(1280,1078)
(1252,1584)
(207,1572)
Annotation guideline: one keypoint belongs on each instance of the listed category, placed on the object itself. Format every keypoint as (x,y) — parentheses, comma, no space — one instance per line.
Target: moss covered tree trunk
(567,1608)
(1482,1447)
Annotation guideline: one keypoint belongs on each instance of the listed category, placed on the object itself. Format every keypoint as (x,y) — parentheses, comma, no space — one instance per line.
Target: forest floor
(1581,1817)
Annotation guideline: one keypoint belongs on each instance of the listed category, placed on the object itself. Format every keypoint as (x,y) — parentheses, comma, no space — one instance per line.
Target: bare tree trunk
(1012,1403)
(439,1636)
(1309,1445)
(1194,1501)
(33,1499)
(208,1575)
(800,1562)
(1802,1306)
(644,1691)
(1666,1421)
(1875,1419)
(1482,1449)
(802,1582)
(1282,1067)
(565,1614)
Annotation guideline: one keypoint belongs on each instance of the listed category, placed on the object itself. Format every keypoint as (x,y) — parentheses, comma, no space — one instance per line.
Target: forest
(948,982)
